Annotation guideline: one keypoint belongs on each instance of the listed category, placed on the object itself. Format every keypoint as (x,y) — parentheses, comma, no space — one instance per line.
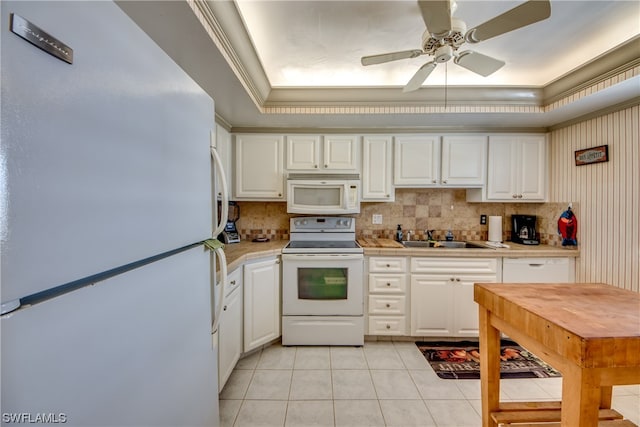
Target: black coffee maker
(523,229)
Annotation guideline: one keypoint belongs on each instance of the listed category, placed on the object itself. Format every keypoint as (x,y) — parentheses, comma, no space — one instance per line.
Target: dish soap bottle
(399,233)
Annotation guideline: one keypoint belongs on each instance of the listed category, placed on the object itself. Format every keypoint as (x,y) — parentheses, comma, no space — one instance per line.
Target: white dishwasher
(538,270)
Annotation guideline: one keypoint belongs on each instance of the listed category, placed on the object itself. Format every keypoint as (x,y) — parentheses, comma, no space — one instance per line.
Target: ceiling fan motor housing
(454,39)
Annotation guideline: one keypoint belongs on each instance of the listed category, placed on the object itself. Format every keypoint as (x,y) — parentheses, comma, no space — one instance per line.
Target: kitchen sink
(442,244)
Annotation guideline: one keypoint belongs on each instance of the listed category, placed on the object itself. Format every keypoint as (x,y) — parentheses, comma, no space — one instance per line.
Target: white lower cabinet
(230,342)
(386,299)
(261,303)
(442,302)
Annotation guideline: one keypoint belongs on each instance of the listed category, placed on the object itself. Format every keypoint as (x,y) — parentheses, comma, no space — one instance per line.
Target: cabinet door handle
(388,284)
(433,181)
(315,166)
(519,196)
(444,182)
(388,326)
(457,279)
(233,282)
(224,308)
(451,279)
(326,166)
(388,305)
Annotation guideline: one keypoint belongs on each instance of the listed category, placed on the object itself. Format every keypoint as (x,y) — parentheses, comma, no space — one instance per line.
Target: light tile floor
(380,384)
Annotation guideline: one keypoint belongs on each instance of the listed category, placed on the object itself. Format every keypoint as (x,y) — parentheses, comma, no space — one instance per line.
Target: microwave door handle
(345,200)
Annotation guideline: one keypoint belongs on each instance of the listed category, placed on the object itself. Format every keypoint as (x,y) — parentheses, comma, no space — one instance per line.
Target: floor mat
(461,360)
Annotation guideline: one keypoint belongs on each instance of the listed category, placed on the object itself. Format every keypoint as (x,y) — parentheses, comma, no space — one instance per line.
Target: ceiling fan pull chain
(446,84)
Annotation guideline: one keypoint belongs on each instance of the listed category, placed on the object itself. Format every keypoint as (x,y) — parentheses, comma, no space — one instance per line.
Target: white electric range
(322,283)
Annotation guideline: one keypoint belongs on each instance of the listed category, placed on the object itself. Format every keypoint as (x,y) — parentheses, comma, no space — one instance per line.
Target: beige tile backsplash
(416,210)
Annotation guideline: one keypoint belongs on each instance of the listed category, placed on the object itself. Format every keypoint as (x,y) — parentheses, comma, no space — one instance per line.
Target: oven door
(322,284)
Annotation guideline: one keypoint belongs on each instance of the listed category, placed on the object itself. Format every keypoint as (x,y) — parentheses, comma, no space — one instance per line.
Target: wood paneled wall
(608,195)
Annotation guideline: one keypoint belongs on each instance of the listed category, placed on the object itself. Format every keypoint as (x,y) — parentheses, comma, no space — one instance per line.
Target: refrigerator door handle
(219,252)
(223,191)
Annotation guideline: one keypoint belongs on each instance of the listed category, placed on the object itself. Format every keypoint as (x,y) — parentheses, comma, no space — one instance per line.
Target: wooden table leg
(606,394)
(489,367)
(580,397)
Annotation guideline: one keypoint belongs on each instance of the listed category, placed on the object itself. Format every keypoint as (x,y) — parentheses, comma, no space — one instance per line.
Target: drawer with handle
(387,283)
(387,325)
(387,264)
(387,304)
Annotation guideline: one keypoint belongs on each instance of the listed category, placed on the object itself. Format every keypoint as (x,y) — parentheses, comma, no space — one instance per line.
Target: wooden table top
(592,324)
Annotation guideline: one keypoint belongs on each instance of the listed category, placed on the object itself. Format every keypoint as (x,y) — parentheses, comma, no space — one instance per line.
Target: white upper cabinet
(426,161)
(259,172)
(316,153)
(417,160)
(303,152)
(377,175)
(464,160)
(517,168)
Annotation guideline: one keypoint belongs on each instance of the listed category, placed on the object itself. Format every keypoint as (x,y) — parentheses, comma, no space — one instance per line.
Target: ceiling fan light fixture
(443,54)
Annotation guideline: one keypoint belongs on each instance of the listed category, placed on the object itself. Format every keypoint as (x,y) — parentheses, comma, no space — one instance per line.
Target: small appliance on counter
(523,229)
(230,233)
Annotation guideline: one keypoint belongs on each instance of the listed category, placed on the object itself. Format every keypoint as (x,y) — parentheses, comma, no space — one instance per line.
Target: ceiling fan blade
(419,77)
(527,13)
(437,16)
(478,63)
(392,56)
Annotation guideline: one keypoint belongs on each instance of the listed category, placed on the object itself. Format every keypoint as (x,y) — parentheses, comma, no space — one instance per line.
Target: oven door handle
(322,257)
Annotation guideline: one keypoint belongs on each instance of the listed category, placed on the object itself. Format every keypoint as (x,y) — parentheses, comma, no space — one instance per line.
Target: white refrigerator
(105,200)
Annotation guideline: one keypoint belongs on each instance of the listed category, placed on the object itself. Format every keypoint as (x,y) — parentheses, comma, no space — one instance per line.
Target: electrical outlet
(377,219)
(483,219)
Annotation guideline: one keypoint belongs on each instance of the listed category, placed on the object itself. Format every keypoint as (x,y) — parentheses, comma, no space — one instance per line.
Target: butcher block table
(590,332)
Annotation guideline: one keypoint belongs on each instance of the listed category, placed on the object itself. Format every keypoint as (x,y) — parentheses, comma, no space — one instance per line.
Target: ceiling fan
(445,34)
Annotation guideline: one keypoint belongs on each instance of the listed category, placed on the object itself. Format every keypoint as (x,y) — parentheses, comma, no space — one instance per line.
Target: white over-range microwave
(323,194)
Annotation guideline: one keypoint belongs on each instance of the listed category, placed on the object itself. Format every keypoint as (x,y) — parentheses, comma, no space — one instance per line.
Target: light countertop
(239,253)
(515,250)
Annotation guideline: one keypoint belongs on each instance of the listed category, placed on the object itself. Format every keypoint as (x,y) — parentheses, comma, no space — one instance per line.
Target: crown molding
(612,109)
(224,24)
(616,62)
(222,21)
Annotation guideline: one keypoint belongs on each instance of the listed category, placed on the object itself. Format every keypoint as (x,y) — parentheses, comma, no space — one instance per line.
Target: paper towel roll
(495,229)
